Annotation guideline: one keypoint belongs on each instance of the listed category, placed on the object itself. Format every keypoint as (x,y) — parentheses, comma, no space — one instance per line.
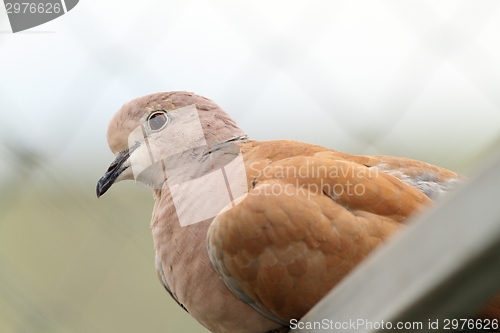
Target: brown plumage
(311,214)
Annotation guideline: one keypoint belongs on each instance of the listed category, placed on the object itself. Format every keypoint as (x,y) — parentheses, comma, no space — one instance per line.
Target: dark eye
(157,121)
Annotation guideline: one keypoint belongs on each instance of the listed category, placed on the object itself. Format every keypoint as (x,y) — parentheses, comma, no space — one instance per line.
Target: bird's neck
(219,127)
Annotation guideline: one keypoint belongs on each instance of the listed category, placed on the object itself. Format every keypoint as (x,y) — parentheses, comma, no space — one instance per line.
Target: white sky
(414,78)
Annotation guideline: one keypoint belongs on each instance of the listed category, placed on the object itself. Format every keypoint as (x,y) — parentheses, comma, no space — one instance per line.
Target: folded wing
(309,218)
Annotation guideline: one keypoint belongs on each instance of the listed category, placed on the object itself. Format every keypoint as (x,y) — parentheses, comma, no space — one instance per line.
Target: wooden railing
(445,266)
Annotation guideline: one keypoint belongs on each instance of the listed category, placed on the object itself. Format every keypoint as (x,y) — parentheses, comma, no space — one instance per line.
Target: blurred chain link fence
(414,79)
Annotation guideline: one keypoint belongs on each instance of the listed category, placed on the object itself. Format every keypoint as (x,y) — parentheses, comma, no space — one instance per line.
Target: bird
(251,234)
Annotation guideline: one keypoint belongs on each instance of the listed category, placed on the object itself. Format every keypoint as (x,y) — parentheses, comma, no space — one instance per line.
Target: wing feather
(295,236)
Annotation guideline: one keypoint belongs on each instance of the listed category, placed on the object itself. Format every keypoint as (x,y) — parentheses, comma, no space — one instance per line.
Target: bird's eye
(157,121)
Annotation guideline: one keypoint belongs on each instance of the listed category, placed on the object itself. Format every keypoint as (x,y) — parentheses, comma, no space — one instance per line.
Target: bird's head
(149,129)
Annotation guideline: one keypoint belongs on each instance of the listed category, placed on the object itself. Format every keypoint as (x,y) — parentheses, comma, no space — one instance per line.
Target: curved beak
(114,170)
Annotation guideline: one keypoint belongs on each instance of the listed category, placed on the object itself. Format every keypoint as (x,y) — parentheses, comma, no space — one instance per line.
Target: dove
(250,235)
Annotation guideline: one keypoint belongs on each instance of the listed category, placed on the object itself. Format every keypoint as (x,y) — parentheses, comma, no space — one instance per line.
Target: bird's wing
(432,180)
(305,223)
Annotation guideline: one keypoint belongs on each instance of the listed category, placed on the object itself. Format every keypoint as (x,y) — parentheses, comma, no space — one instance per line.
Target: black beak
(114,170)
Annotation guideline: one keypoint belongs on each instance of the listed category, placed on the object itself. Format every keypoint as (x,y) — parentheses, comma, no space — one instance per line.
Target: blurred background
(419,79)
